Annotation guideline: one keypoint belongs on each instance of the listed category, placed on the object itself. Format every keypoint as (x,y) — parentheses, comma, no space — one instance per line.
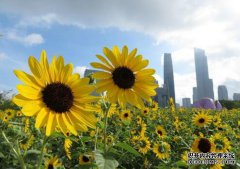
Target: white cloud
(80,70)
(159,79)
(28,40)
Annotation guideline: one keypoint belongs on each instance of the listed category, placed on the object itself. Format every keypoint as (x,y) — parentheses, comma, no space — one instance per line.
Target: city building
(222,92)
(204,84)
(186,102)
(168,76)
(195,97)
(161,96)
(236,96)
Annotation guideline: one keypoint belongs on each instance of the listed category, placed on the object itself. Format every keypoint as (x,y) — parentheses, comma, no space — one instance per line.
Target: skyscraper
(236,96)
(204,84)
(168,75)
(222,92)
(195,97)
(186,102)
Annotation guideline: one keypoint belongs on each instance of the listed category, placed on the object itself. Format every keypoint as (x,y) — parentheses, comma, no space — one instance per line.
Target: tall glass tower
(204,84)
(222,92)
(168,75)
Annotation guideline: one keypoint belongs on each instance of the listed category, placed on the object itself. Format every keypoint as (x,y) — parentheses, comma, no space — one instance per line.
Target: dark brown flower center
(123,77)
(126,115)
(85,159)
(202,120)
(50,166)
(58,97)
(204,145)
(159,132)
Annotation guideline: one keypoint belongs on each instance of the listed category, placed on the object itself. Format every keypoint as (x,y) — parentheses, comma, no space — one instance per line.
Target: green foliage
(230,104)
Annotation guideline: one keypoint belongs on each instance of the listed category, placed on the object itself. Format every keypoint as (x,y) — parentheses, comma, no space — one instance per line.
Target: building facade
(168,76)
(222,92)
(204,84)
(186,102)
(236,96)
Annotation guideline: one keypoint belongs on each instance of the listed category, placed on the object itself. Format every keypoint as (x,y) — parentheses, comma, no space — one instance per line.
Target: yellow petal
(68,124)
(81,127)
(45,66)
(111,56)
(51,123)
(67,71)
(102,75)
(20,100)
(101,58)
(35,67)
(145,72)
(124,55)
(131,56)
(29,92)
(100,66)
(31,108)
(61,123)
(140,66)
(27,79)
(41,118)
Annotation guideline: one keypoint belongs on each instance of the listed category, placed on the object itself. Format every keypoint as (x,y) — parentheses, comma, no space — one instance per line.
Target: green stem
(105,131)
(17,153)
(42,149)
(96,138)
(185,142)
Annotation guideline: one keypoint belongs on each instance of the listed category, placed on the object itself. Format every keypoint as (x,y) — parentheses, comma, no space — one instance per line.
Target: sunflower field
(61,120)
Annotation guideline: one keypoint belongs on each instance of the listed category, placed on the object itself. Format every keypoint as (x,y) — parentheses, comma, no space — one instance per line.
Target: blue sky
(79,30)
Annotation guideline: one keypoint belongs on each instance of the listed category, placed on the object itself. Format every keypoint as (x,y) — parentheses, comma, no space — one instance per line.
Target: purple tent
(207,103)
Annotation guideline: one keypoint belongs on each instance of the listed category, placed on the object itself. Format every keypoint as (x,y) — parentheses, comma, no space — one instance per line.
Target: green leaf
(107,162)
(128,148)
(2,155)
(33,152)
(181,164)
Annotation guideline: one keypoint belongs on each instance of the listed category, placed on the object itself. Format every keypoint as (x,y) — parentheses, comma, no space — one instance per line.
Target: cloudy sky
(79,29)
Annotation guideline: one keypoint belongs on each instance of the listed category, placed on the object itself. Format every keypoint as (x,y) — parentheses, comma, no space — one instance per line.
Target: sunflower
(55,96)
(160,131)
(222,143)
(27,142)
(19,113)
(110,140)
(203,145)
(9,113)
(139,119)
(125,115)
(216,120)
(27,125)
(154,106)
(162,150)
(85,159)
(145,111)
(124,77)
(141,129)
(201,119)
(52,163)
(143,145)
(67,147)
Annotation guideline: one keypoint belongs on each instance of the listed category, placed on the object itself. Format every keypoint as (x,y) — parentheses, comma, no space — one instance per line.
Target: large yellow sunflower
(203,145)
(55,95)
(124,77)
(222,143)
(201,119)
(162,150)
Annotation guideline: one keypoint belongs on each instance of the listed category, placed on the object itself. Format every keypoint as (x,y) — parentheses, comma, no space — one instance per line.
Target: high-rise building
(162,96)
(195,97)
(186,102)
(222,92)
(168,75)
(236,96)
(204,84)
